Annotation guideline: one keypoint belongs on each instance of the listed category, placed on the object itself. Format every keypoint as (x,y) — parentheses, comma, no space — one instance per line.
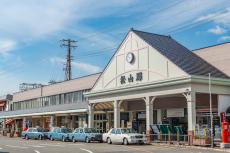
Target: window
(113,131)
(118,131)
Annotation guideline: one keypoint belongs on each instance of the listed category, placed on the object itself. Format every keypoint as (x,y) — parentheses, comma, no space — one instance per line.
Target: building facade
(59,104)
(150,79)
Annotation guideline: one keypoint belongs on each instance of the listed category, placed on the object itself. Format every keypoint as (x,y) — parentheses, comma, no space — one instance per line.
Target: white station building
(150,79)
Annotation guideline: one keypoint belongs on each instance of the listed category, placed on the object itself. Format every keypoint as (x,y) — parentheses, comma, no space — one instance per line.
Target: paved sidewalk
(193,147)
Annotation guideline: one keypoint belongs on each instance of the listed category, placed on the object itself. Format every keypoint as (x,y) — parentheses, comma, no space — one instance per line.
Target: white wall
(223,103)
(153,65)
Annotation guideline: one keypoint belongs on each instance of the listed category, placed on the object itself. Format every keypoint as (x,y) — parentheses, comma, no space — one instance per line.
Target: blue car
(59,134)
(85,135)
(35,133)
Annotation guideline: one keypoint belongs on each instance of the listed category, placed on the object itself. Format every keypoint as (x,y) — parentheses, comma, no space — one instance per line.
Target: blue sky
(30,31)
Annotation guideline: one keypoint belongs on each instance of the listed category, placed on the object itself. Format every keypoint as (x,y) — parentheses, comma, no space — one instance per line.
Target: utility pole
(211,114)
(69,44)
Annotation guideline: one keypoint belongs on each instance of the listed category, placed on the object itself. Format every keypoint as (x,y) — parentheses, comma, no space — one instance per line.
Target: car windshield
(126,131)
(90,130)
(66,131)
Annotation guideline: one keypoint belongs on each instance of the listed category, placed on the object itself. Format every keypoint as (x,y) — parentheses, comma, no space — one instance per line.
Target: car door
(29,133)
(75,134)
(55,134)
(81,135)
(112,135)
(59,134)
(35,134)
(118,136)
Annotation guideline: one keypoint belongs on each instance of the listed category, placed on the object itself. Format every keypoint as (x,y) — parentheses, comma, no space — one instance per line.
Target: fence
(168,138)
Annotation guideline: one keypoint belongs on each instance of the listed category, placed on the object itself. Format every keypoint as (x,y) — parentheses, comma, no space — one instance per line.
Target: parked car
(123,136)
(85,135)
(59,134)
(35,133)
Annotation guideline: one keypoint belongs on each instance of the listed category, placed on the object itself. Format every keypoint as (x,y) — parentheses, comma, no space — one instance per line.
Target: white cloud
(221,17)
(6,46)
(182,15)
(217,30)
(85,67)
(224,38)
(28,19)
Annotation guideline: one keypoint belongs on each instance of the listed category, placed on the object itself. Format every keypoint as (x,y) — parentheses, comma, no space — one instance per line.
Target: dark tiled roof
(179,55)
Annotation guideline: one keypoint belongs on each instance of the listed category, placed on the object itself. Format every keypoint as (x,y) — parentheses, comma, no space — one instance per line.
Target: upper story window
(66,98)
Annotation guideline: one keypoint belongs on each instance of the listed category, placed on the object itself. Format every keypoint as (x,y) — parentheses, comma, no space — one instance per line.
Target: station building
(150,79)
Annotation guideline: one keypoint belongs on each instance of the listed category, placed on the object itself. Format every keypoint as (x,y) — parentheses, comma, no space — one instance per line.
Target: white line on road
(16,147)
(36,151)
(86,150)
(0,148)
(75,144)
(52,145)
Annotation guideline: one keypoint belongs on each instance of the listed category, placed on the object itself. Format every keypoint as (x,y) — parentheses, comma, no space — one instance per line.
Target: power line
(69,44)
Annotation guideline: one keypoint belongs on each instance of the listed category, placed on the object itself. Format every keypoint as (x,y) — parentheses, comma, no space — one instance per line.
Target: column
(91,116)
(4,124)
(72,125)
(149,113)
(51,124)
(191,109)
(24,123)
(116,114)
(159,118)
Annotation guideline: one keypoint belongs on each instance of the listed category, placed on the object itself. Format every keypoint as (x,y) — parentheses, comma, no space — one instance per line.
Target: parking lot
(18,145)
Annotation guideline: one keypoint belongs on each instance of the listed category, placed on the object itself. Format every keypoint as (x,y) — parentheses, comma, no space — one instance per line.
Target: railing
(168,138)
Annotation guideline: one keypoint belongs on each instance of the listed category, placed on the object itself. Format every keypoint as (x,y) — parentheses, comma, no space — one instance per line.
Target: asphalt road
(18,145)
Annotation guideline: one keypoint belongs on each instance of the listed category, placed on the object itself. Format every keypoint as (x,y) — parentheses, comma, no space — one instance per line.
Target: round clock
(130,57)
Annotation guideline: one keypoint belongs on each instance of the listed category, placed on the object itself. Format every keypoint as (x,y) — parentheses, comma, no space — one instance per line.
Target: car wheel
(125,141)
(51,138)
(73,139)
(40,137)
(109,141)
(87,140)
(63,139)
(26,137)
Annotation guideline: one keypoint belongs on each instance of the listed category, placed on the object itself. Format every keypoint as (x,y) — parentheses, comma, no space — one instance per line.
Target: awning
(2,104)
(9,121)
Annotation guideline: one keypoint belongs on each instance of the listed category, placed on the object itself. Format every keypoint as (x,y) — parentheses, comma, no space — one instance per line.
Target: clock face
(130,57)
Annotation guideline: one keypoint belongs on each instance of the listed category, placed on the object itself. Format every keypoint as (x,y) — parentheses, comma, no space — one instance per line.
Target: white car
(123,136)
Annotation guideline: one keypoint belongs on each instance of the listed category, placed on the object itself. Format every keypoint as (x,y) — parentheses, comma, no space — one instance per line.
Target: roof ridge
(150,33)
(210,46)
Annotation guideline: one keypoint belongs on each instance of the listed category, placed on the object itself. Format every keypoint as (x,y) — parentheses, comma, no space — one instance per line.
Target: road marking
(0,148)
(75,144)
(86,150)
(36,151)
(52,145)
(36,146)
(16,147)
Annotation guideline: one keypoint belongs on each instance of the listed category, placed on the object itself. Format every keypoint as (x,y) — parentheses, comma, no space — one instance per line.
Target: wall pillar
(72,124)
(51,124)
(91,116)
(24,123)
(117,114)
(159,118)
(149,113)
(191,109)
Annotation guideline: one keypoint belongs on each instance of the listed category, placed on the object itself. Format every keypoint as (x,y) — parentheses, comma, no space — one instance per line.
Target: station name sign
(131,78)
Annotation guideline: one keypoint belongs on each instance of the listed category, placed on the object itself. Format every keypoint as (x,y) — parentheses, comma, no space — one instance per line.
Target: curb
(193,147)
